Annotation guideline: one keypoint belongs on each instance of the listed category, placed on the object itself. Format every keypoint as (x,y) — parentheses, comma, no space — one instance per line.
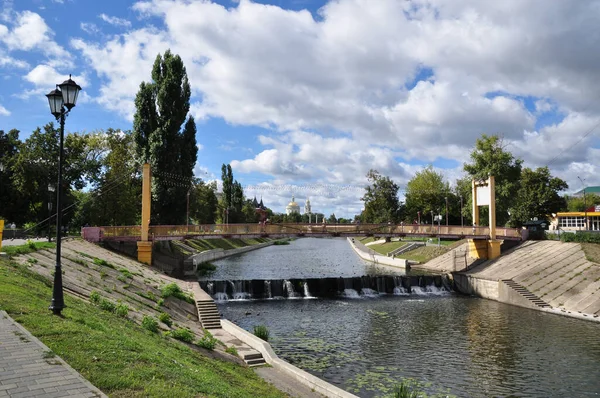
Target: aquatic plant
(262,332)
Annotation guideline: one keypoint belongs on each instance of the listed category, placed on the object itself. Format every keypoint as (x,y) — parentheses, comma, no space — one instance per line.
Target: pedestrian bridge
(179,232)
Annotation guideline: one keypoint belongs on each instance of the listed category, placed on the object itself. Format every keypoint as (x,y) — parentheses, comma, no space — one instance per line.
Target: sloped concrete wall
(377,258)
(479,287)
(217,254)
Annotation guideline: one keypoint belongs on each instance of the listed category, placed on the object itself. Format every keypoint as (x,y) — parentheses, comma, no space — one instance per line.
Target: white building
(292,207)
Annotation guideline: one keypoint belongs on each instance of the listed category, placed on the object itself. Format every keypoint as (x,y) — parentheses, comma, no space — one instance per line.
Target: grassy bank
(225,244)
(420,254)
(116,354)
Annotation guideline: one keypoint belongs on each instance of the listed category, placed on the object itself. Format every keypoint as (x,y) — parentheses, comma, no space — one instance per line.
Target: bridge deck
(177,232)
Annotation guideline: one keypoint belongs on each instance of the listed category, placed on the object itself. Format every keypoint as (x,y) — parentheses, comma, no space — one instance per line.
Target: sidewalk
(28,369)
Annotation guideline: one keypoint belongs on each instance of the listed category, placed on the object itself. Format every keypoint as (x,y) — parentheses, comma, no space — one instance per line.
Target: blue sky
(301,92)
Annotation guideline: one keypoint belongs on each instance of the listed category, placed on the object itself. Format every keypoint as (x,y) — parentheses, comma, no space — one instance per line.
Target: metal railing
(161,232)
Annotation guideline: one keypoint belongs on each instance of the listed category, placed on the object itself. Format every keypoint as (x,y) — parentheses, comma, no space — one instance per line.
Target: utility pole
(187,213)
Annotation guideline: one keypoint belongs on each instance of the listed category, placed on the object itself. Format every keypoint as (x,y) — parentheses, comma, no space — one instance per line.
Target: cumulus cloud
(45,78)
(115,21)
(4,111)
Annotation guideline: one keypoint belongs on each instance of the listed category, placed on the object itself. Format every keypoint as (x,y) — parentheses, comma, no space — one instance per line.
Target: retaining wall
(217,254)
(378,258)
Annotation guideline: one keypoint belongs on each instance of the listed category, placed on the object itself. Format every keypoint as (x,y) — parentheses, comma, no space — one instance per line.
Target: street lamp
(61,101)
(51,189)
(584,203)
(462,224)
(446,199)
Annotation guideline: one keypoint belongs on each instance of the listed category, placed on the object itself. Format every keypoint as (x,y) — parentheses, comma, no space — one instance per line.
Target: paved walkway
(27,370)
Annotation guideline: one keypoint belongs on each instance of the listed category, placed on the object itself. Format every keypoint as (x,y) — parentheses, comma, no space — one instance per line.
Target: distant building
(292,207)
(578,220)
(588,191)
(307,206)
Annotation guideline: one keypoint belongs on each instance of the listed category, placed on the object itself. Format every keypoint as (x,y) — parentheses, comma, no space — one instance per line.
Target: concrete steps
(405,248)
(253,358)
(208,314)
(526,293)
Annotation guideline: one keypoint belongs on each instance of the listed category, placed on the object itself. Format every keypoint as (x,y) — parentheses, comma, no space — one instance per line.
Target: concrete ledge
(313,382)
(466,284)
(217,254)
(378,258)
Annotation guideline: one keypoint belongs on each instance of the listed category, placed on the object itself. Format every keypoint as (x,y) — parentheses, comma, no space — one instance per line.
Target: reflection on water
(303,258)
(456,345)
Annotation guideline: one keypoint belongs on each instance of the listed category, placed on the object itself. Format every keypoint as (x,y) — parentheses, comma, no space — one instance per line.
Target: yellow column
(492,207)
(144,246)
(475,207)
(1,229)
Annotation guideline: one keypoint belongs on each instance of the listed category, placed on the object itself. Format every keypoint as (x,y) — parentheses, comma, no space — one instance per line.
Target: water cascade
(355,287)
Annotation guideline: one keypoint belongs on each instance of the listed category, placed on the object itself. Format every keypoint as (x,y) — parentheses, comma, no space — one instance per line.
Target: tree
(203,202)
(490,157)
(538,196)
(162,108)
(332,219)
(381,199)
(580,203)
(425,193)
(13,204)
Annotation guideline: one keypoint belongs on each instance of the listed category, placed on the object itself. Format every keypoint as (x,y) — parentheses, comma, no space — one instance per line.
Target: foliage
(203,202)
(232,350)
(490,157)
(538,196)
(580,203)
(262,332)
(149,323)
(165,318)
(281,243)
(102,262)
(14,207)
(173,290)
(581,237)
(426,193)
(207,341)
(121,310)
(381,199)
(25,249)
(162,108)
(232,202)
(107,305)
(117,355)
(183,335)
(206,268)
(94,297)
(404,390)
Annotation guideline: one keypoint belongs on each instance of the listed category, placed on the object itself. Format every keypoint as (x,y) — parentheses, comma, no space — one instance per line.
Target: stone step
(255,362)
(257,355)
(212,327)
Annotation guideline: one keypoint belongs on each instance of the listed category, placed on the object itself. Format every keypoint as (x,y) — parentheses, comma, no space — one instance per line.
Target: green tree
(162,108)
(203,202)
(490,157)
(538,196)
(381,199)
(426,192)
(580,203)
(13,207)
(332,219)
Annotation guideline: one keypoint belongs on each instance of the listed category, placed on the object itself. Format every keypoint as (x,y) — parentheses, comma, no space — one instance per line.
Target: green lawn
(116,354)
(28,248)
(225,244)
(385,248)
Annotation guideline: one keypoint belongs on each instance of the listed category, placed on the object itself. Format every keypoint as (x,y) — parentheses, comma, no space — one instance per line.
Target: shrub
(94,297)
(404,390)
(32,261)
(126,273)
(173,289)
(160,303)
(165,318)
(231,350)
(183,335)
(150,324)
(207,341)
(122,310)
(103,263)
(262,332)
(580,237)
(31,244)
(107,305)
(206,268)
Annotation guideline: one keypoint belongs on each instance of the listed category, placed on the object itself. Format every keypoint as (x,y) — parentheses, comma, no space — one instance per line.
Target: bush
(281,243)
(122,310)
(183,335)
(94,297)
(150,324)
(231,350)
(404,390)
(580,237)
(207,341)
(165,318)
(173,289)
(206,268)
(262,332)
(107,305)
(31,244)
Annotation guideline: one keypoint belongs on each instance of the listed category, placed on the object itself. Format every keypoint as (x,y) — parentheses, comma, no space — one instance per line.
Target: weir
(360,286)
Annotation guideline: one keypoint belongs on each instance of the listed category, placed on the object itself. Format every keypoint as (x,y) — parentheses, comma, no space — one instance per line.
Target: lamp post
(446,199)
(50,191)
(61,101)
(462,223)
(187,213)
(584,203)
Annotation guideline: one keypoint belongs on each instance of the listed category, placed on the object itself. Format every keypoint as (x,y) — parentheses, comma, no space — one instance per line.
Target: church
(294,208)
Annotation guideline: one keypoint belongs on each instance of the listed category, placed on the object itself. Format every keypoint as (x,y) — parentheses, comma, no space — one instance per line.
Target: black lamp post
(50,191)
(61,100)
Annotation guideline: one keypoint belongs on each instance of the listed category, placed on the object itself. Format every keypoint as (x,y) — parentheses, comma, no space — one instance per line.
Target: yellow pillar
(1,229)
(475,207)
(144,246)
(493,244)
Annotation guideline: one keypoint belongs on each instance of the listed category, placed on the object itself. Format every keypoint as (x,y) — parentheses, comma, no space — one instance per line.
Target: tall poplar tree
(165,137)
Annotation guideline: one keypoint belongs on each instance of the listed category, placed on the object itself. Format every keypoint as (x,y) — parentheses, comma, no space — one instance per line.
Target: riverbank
(548,276)
(371,255)
(114,352)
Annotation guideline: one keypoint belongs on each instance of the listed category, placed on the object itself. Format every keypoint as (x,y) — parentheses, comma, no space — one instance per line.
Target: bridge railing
(157,232)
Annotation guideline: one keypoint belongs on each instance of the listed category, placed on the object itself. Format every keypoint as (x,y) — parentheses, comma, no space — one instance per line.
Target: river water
(444,344)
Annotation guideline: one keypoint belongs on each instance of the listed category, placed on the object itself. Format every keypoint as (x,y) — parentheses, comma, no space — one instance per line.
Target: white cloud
(4,111)
(115,20)
(45,78)
(89,27)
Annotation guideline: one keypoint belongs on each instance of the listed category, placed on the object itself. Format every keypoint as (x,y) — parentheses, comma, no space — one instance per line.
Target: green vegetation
(225,244)
(385,248)
(173,290)
(183,335)
(281,243)
(116,354)
(582,237)
(206,268)
(262,332)
(150,324)
(404,390)
(232,350)
(103,263)
(207,341)
(165,318)
(592,252)
(29,247)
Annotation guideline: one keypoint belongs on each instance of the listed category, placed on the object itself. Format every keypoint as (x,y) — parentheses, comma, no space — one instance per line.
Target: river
(443,343)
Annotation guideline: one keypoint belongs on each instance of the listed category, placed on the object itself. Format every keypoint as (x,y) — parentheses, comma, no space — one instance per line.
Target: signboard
(597,209)
(483,196)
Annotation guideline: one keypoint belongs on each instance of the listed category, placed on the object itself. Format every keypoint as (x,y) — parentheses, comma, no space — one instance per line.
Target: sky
(303,97)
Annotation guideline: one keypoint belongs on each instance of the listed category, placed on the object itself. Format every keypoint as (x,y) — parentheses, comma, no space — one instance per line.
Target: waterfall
(291,293)
(210,288)
(268,290)
(221,296)
(350,293)
(306,291)
(400,291)
(238,292)
(369,292)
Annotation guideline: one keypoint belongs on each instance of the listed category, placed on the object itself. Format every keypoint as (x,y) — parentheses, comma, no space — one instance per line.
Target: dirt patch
(592,251)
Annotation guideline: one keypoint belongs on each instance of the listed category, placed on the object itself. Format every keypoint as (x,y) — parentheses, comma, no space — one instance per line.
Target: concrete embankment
(371,255)
(217,254)
(548,276)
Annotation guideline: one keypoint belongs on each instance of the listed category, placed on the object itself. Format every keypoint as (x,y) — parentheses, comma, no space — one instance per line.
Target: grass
(27,248)
(385,248)
(592,252)
(115,354)
(262,332)
(206,268)
(225,244)
(425,253)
